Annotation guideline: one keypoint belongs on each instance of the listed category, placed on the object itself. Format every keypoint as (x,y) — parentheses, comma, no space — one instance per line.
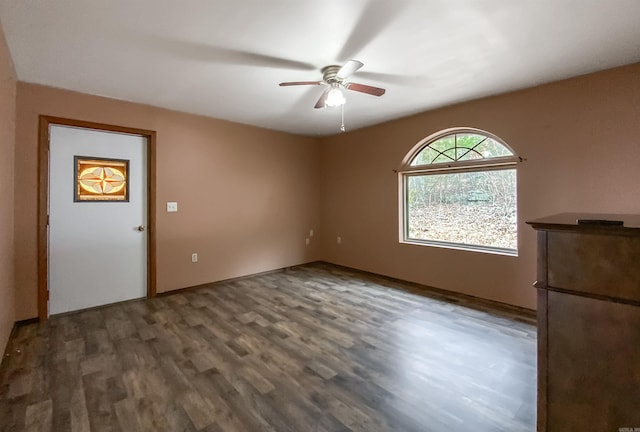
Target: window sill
(461,247)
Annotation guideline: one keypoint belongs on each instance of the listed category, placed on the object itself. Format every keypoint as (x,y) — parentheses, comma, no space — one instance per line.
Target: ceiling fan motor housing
(330,74)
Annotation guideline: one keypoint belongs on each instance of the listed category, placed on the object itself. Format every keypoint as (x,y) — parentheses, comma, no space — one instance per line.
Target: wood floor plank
(38,417)
(315,348)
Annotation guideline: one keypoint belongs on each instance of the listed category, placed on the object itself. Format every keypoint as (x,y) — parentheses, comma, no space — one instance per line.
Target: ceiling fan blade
(294,83)
(375,17)
(349,68)
(205,52)
(362,88)
(323,99)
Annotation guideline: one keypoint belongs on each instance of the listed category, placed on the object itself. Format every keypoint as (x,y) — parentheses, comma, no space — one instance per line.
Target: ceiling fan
(335,77)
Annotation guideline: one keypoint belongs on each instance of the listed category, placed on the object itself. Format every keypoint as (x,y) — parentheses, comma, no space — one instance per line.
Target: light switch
(172,207)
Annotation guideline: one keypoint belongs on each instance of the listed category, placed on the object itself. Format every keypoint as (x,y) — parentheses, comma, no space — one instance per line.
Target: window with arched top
(459,189)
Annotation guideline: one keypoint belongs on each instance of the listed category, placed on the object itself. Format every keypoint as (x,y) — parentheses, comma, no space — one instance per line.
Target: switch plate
(311,232)
(194,257)
(172,206)
(339,240)
(306,241)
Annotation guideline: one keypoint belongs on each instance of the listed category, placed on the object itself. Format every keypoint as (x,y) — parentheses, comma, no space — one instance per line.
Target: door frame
(43,201)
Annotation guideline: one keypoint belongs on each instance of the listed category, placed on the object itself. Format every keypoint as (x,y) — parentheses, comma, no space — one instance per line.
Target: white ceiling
(225,58)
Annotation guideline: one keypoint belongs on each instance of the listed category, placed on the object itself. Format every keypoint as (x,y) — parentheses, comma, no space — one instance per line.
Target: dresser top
(569,221)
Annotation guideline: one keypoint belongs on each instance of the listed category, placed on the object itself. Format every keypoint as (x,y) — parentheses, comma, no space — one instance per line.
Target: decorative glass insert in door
(101,179)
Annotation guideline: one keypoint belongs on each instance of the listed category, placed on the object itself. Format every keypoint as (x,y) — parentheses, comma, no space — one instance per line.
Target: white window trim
(406,170)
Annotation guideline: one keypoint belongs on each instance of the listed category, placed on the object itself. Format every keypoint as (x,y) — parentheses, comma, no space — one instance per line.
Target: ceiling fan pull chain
(342,129)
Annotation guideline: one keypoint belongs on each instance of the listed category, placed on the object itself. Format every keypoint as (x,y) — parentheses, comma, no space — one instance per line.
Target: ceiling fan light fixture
(335,97)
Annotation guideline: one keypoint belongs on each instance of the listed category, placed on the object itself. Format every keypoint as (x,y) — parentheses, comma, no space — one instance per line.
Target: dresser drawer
(593,355)
(606,265)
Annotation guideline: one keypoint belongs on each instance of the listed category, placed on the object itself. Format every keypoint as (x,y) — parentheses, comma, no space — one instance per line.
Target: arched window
(459,190)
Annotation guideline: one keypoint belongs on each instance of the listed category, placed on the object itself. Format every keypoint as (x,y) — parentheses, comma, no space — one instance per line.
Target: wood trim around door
(43,201)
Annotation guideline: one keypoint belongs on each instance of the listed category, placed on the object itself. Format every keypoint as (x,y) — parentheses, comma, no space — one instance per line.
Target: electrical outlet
(194,257)
(339,240)
(172,207)
(306,241)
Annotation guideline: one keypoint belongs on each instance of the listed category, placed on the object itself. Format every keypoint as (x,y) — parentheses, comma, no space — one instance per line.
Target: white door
(97,253)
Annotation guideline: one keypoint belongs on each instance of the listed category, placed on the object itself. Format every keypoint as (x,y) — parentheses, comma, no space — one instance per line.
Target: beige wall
(581,139)
(7,146)
(250,195)
(247,197)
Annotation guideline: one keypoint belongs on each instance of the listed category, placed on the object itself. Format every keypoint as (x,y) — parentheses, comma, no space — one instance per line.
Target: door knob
(141,228)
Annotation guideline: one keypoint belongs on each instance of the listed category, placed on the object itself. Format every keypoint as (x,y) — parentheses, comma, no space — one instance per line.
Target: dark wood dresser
(588,324)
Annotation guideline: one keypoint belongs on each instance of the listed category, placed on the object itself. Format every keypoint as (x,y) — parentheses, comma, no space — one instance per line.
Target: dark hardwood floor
(315,348)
